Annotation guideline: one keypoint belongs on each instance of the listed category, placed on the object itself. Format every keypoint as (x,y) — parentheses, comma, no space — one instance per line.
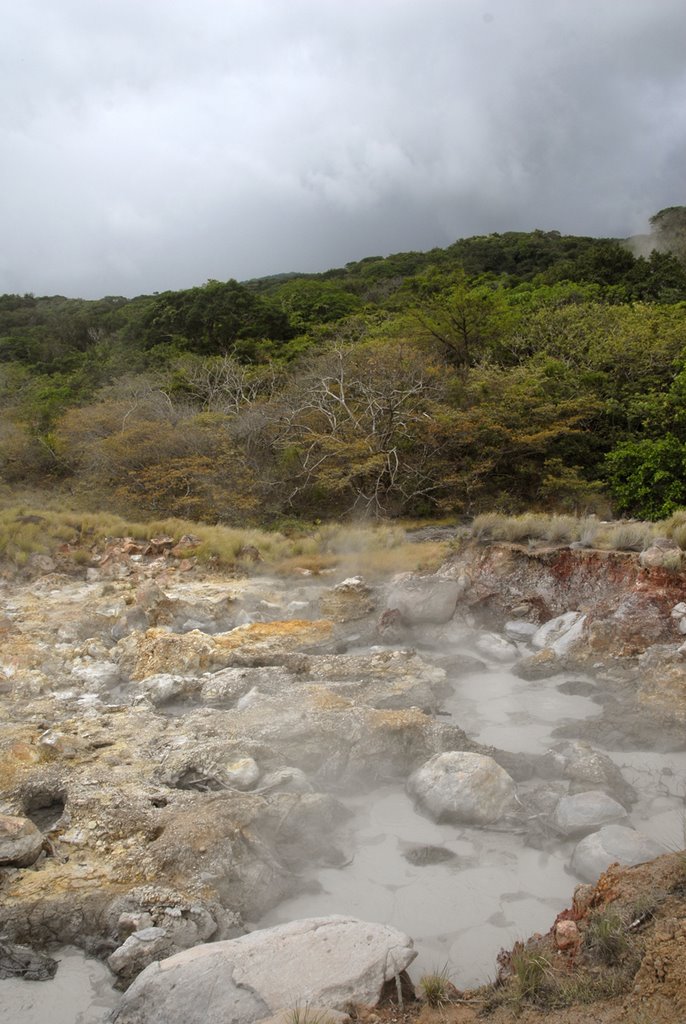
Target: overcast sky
(153,144)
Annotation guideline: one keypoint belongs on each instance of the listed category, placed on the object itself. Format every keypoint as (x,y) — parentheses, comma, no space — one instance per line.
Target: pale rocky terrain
(174,745)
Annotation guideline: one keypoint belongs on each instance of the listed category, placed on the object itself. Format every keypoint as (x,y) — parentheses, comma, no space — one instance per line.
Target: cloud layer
(152,144)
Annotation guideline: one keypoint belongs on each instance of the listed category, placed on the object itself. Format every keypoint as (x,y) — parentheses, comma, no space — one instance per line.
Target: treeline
(514,371)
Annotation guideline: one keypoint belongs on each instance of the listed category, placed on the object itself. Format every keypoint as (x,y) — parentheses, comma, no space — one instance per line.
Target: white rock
(497,647)
(326,961)
(613,843)
(586,812)
(561,633)
(242,774)
(518,629)
(459,786)
(679,610)
(552,630)
(565,642)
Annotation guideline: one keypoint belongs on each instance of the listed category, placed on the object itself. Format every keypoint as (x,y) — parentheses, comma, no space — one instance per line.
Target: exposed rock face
(463,787)
(613,843)
(627,604)
(659,984)
(324,962)
(158,650)
(661,678)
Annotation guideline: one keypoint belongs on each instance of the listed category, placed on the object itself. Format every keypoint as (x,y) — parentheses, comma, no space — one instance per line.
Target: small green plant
(435,987)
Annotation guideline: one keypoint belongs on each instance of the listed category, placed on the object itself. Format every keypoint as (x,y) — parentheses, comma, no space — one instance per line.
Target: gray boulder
(323,962)
(424,599)
(585,768)
(20,841)
(585,812)
(612,843)
(463,787)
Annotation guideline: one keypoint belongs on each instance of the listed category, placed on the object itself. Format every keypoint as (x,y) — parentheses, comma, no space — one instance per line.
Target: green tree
(467,320)
(647,477)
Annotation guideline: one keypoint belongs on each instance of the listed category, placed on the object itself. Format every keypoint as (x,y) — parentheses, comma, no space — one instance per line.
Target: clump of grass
(606,939)
(435,987)
(487,526)
(588,532)
(307,1015)
(562,529)
(531,974)
(672,561)
(627,536)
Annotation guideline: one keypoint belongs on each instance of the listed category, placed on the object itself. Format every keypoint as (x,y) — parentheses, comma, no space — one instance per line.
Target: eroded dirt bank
(178,743)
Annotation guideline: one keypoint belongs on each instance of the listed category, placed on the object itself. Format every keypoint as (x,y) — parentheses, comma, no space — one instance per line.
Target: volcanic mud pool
(464,893)
(80,993)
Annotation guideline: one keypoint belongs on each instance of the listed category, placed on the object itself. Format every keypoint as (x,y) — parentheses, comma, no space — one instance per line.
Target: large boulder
(612,843)
(20,841)
(421,599)
(586,769)
(560,633)
(582,813)
(542,665)
(323,962)
(458,786)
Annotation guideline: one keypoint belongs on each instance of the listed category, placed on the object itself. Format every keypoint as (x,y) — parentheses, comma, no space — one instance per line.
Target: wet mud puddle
(464,893)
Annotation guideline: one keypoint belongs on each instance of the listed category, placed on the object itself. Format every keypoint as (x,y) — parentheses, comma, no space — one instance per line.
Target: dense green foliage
(503,372)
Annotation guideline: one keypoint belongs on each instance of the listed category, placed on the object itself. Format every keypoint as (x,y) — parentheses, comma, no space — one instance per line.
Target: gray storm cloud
(151,144)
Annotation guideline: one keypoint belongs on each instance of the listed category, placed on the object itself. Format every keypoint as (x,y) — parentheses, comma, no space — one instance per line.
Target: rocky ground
(173,746)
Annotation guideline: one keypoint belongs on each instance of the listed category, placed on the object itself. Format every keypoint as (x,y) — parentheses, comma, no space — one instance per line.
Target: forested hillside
(513,371)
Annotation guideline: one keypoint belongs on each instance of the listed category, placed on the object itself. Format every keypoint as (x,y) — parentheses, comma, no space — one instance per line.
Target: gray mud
(80,993)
